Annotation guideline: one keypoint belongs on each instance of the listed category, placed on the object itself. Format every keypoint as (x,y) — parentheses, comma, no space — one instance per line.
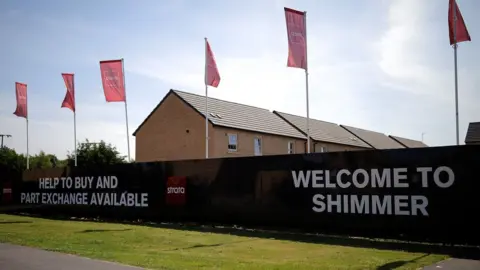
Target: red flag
(113,80)
(21,93)
(297,38)
(461,29)
(69,100)
(212,77)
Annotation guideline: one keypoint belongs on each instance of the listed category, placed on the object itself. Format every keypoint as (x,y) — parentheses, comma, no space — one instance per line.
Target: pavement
(455,264)
(14,257)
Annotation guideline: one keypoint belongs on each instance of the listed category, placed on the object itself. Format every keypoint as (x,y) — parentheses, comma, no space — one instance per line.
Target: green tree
(10,159)
(41,161)
(94,154)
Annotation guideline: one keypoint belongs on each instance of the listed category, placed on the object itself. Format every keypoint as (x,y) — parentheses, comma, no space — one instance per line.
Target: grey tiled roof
(239,116)
(409,143)
(376,139)
(323,131)
(473,133)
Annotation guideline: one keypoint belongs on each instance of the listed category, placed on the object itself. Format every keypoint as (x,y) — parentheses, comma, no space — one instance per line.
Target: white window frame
(291,147)
(320,149)
(232,146)
(260,146)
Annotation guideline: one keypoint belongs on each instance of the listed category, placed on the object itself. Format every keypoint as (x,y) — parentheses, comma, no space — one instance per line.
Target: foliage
(94,154)
(89,154)
(10,159)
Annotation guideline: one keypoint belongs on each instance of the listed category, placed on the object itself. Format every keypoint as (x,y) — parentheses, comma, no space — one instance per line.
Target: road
(455,264)
(14,257)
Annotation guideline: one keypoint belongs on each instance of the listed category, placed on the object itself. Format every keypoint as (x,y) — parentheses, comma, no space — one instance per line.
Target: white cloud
(263,79)
(55,133)
(413,61)
(392,74)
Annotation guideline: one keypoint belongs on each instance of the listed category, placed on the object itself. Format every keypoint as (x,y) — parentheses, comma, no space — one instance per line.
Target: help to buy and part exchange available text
(88,190)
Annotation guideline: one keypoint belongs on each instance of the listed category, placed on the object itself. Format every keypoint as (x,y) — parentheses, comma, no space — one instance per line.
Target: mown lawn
(159,248)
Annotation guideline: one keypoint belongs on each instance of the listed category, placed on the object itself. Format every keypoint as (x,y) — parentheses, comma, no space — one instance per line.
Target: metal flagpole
(28,155)
(126,112)
(26,118)
(75,133)
(306,82)
(455,66)
(206,101)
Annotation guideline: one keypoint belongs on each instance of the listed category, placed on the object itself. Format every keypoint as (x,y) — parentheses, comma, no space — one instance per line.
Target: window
(232,142)
(320,149)
(257,144)
(291,148)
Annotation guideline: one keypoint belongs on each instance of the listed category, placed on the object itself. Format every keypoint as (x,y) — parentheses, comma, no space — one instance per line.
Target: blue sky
(384,65)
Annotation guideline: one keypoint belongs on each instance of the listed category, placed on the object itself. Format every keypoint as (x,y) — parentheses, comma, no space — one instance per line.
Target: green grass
(160,248)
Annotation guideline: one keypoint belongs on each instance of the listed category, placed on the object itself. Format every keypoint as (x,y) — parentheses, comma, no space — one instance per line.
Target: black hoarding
(425,194)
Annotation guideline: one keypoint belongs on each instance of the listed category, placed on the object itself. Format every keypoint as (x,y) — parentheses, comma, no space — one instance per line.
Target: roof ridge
(222,100)
(405,138)
(305,117)
(373,131)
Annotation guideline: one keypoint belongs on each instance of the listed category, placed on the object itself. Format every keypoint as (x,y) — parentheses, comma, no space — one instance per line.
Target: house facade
(175,130)
(325,136)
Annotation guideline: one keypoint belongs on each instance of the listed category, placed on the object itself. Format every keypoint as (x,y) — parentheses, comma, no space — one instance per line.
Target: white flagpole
(126,112)
(26,118)
(28,155)
(75,132)
(206,101)
(306,82)
(455,66)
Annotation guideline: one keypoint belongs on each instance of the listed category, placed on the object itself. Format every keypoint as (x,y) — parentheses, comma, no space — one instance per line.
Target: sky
(382,65)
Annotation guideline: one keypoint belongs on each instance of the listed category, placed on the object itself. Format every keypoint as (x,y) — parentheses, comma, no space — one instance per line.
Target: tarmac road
(14,257)
(455,264)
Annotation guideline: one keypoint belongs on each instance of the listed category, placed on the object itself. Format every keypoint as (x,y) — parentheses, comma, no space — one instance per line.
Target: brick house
(331,137)
(175,130)
(325,136)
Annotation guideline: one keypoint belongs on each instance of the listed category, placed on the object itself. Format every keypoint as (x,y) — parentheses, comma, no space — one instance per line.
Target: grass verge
(161,248)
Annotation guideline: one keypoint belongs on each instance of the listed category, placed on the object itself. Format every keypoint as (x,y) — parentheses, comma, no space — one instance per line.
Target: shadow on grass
(207,246)
(112,230)
(397,264)
(14,222)
(382,244)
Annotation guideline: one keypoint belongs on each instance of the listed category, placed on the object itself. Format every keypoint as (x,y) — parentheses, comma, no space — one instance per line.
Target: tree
(95,154)
(41,161)
(10,159)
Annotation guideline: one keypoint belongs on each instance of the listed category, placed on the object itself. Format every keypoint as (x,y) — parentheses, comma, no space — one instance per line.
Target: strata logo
(7,192)
(176,189)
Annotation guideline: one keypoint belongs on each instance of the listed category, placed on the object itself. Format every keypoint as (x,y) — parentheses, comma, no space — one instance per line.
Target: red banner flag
(113,80)
(69,100)
(297,38)
(461,33)
(212,76)
(21,94)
